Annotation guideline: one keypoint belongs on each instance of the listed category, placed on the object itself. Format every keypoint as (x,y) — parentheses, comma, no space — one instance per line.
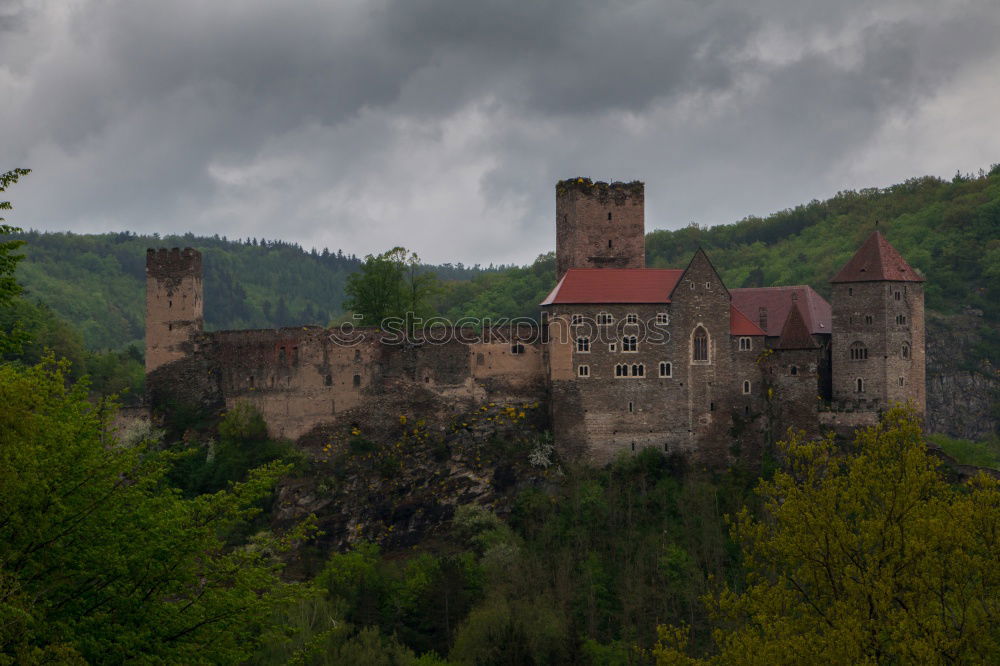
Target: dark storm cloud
(443,125)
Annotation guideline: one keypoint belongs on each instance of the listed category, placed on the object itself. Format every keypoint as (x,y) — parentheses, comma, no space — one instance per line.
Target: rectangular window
(605,318)
(517,348)
(662,318)
(583,371)
(576,319)
(583,345)
(869,319)
(612,346)
(631,318)
(630,343)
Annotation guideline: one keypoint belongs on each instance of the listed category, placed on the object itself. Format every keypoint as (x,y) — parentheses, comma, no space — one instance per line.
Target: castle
(624,357)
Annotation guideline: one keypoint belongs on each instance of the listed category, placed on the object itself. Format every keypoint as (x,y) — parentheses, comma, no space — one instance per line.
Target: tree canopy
(864,558)
(390,285)
(101,560)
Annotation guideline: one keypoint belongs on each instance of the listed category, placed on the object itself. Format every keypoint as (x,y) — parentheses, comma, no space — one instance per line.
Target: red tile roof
(794,334)
(615,285)
(778,302)
(877,260)
(740,324)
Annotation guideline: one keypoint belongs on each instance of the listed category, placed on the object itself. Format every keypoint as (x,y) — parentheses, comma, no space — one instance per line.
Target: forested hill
(948,230)
(97,281)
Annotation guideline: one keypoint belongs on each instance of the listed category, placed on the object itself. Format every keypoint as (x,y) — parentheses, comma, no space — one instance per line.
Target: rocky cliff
(963,380)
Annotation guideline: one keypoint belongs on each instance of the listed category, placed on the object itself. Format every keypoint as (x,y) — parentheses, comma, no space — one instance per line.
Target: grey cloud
(442,125)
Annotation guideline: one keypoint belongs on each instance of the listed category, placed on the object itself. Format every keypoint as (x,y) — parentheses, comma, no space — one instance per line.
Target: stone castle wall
(599,225)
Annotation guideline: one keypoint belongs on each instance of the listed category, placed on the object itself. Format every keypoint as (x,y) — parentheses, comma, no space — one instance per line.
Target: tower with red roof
(877,348)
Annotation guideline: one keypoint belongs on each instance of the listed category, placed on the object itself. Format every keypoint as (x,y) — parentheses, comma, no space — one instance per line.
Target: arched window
(666,370)
(621,370)
(745,344)
(794,370)
(638,370)
(860,385)
(700,350)
(583,371)
(746,386)
(905,351)
(858,351)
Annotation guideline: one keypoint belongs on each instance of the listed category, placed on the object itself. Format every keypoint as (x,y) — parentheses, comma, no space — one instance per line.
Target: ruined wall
(302,377)
(599,225)
(174,304)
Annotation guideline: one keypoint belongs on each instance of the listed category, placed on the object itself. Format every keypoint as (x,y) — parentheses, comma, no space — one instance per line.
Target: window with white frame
(583,371)
(605,318)
(662,318)
(630,343)
(576,319)
(745,344)
(630,370)
(666,369)
(583,345)
(860,385)
(631,318)
(747,386)
(612,346)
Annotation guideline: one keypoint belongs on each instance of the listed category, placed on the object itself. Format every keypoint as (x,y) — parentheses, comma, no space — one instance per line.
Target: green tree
(865,558)
(9,258)
(390,285)
(100,560)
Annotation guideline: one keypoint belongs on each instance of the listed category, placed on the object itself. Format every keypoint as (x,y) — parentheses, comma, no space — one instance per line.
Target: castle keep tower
(174,304)
(878,329)
(599,225)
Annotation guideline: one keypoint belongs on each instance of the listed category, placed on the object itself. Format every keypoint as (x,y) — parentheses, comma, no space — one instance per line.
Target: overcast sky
(444,125)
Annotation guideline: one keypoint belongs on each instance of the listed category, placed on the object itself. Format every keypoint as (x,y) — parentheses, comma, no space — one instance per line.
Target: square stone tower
(877,344)
(599,225)
(174,304)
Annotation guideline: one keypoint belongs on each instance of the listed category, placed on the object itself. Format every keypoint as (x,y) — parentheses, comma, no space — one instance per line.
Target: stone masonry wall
(599,225)
(174,304)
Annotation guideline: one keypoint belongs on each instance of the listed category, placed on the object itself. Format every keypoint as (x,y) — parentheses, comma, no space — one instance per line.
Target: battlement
(174,262)
(616,191)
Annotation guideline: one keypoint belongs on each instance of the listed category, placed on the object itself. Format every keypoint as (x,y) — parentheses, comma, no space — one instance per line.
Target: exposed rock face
(962,390)
(382,476)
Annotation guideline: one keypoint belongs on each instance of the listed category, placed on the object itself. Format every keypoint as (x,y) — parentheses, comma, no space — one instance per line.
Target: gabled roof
(877,260)
(794,334)
(615,285)
(778,302)
(740,324)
